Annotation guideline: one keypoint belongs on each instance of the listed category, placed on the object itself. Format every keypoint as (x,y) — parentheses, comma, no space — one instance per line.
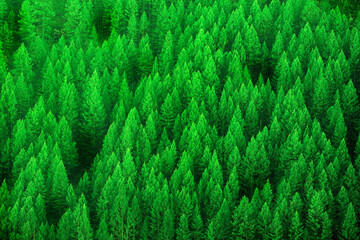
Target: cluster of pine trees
(186,119)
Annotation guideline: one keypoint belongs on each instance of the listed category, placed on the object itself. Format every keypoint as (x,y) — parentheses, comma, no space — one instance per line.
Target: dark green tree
(93,126)
(23,65)
(67,145)
(252,45)
(4,208)
(349,228)
(81,220)
(27,22)
(251,120)
(243,223)
(146,58)
(296,230)
(254,168)
(60,184)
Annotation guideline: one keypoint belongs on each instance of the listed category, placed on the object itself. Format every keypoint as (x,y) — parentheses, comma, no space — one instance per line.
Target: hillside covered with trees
(186,119)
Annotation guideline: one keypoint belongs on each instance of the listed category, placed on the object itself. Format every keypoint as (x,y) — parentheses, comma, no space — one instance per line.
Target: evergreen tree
(243,224)
(4,208)
(68,105)
(81,220)
(168,112)
(27,22)
(254,169)
(3,67)
(94,117)
(264,220)
(66,144)
(351,110)
(317,218)
(252,45)
(23,65)
(145,61)
(349,229)
(251,120)
(354,52)
(60,184)
(276,228)
(72,15)
(183,232)
(336,126)
(296,229)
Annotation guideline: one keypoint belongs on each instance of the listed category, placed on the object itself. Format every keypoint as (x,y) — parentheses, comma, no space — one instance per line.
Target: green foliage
(4,219)
(349,228)
(254,168)
(148,119)
(93,113)
(60,184)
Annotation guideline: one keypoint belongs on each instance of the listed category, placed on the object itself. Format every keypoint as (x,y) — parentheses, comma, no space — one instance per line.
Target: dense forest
(186,119)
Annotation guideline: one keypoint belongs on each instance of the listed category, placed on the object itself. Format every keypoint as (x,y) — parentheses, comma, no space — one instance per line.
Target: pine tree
(102,232)
(168,112)
(27,22)
(296,229)
(72,16)
(23,65)
(321,99)
(210,74)
(251,120)
(327,227)
(36,19)
(83,185)
(66,226)
(342,154)
(168,229)
(81,220)
(290,150)
(59,190)
(354,52)
(197,223)
(143,24)
(317,218)
(336,126)
(68,105)
(3,11)
(252,45)
(129,170)
(349,228)
(118,20)
(3,67)
(166,56)
(71,198)
(132,29)
(4,208)
(351,110)
(183,232)
(94,116)
(67,146)
(20,137)
(221,222)
(8,102)
(276,228)
(254,169)
(7,35)
(243,224)
(264,221)
(146,58)
(232,188)
(278,47)
(125,94)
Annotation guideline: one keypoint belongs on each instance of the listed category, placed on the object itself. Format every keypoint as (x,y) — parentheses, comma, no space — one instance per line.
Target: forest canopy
(185,119)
